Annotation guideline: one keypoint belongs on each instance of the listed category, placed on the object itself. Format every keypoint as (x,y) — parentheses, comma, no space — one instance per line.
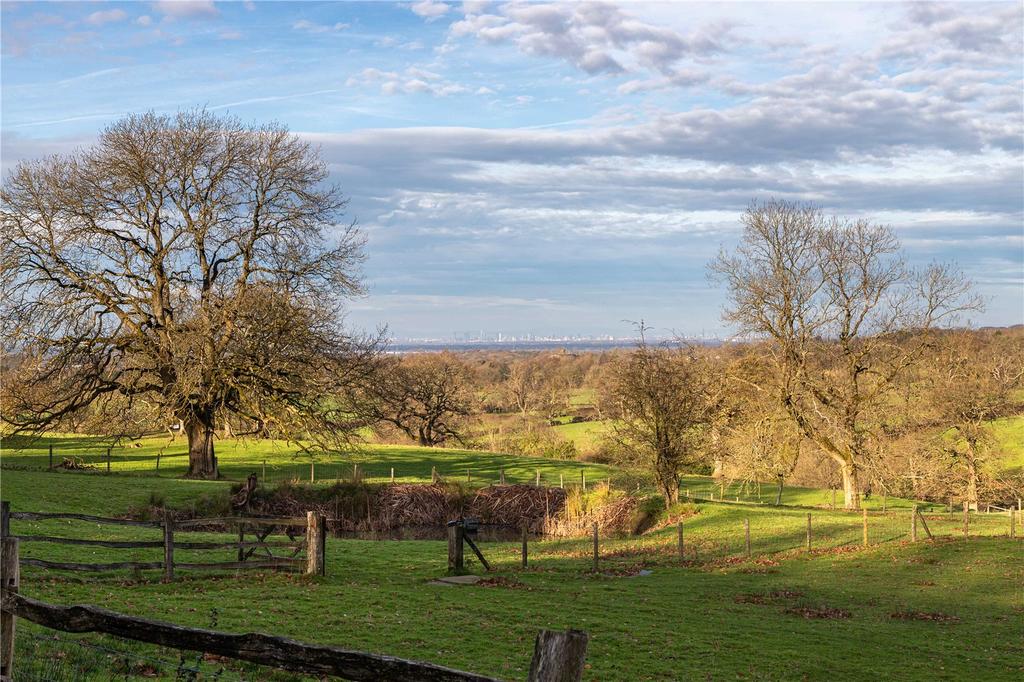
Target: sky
(566,168)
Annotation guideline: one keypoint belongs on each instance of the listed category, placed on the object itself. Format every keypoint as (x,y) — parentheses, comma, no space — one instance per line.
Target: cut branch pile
(514,505)
(73,464)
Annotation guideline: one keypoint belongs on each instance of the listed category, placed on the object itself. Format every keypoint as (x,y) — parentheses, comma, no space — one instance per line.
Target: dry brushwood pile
(360,507)
(617,514)
(73,464)
(516,504)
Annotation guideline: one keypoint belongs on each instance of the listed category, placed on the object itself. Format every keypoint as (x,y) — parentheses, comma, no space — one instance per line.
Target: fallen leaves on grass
(501,581)
(923,615)
(765,598)
(820,612)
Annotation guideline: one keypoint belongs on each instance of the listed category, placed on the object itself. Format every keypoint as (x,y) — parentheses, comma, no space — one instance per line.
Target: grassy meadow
(945,609)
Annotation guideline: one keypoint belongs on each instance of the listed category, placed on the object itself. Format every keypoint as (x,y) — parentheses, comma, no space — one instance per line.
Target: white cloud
(413,80)
(144,20)
(312,27)
(430,9)
(186,9)
(109,16)
(594,37)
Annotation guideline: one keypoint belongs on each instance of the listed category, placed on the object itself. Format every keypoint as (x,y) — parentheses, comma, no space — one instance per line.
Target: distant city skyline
(566,168)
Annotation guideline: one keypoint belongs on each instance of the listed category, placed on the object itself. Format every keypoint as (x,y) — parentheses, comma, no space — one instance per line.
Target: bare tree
(970,385)
(426,396)
(844,317)
(666,405)
(189,262)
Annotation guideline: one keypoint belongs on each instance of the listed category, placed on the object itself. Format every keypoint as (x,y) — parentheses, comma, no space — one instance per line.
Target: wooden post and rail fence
(304,535)
(557,656)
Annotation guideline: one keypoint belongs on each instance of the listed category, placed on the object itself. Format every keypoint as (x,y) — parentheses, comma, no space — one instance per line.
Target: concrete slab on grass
(456,580)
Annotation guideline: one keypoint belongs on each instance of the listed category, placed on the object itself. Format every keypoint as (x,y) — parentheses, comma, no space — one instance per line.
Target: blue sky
(555,168)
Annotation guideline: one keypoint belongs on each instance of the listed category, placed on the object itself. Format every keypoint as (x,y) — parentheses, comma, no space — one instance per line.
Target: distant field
(239,458)
(586,435)
(1009,440)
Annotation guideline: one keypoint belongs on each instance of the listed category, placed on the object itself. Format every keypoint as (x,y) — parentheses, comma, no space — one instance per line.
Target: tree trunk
(202,463)
(971,494)
(778,495)
(719,471)
(851,485)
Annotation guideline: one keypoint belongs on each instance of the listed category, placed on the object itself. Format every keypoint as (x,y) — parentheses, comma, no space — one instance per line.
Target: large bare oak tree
(191,263)
(844,318)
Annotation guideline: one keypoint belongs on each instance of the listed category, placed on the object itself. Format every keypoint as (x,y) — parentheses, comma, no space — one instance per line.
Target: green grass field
(238,458)
(1008,434)
(586,435)
(946,609)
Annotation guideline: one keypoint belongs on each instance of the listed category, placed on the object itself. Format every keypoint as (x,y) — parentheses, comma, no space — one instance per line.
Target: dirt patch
(766,598)
(922,615)
(785,594)
(819,612)
(500,581)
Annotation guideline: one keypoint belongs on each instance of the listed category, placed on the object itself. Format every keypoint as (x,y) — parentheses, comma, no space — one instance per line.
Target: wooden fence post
(865,527)
(1013,523)
(312,472)
(168,547)
(9,574)
(456,558)
(924,523)
(558,656)
(526,532)
(315,544)
(583,479)
(469,475)
(682,548)
(433,474)
(913,525)
(561,481)
(884,508)
(746,532)
(392,474)
(808,532)
(5,519)
(501,476)
(537,481)
(108,460)
(51,456)
(967,520)
(264,469)
(597,549)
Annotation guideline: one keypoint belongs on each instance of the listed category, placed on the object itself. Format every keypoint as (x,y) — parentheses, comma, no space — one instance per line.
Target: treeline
(672,408)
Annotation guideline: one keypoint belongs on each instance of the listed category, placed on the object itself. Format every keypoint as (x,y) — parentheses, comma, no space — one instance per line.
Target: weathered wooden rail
(558,656)
(312,528)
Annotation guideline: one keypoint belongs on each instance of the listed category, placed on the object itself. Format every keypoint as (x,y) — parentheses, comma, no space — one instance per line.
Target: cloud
(144,20)
(594,37)
(413,80)
(312,27)
(430,9)
(106,17)
(186,9)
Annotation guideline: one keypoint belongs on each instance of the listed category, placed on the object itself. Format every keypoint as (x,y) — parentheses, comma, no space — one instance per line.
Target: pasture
(940,609)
